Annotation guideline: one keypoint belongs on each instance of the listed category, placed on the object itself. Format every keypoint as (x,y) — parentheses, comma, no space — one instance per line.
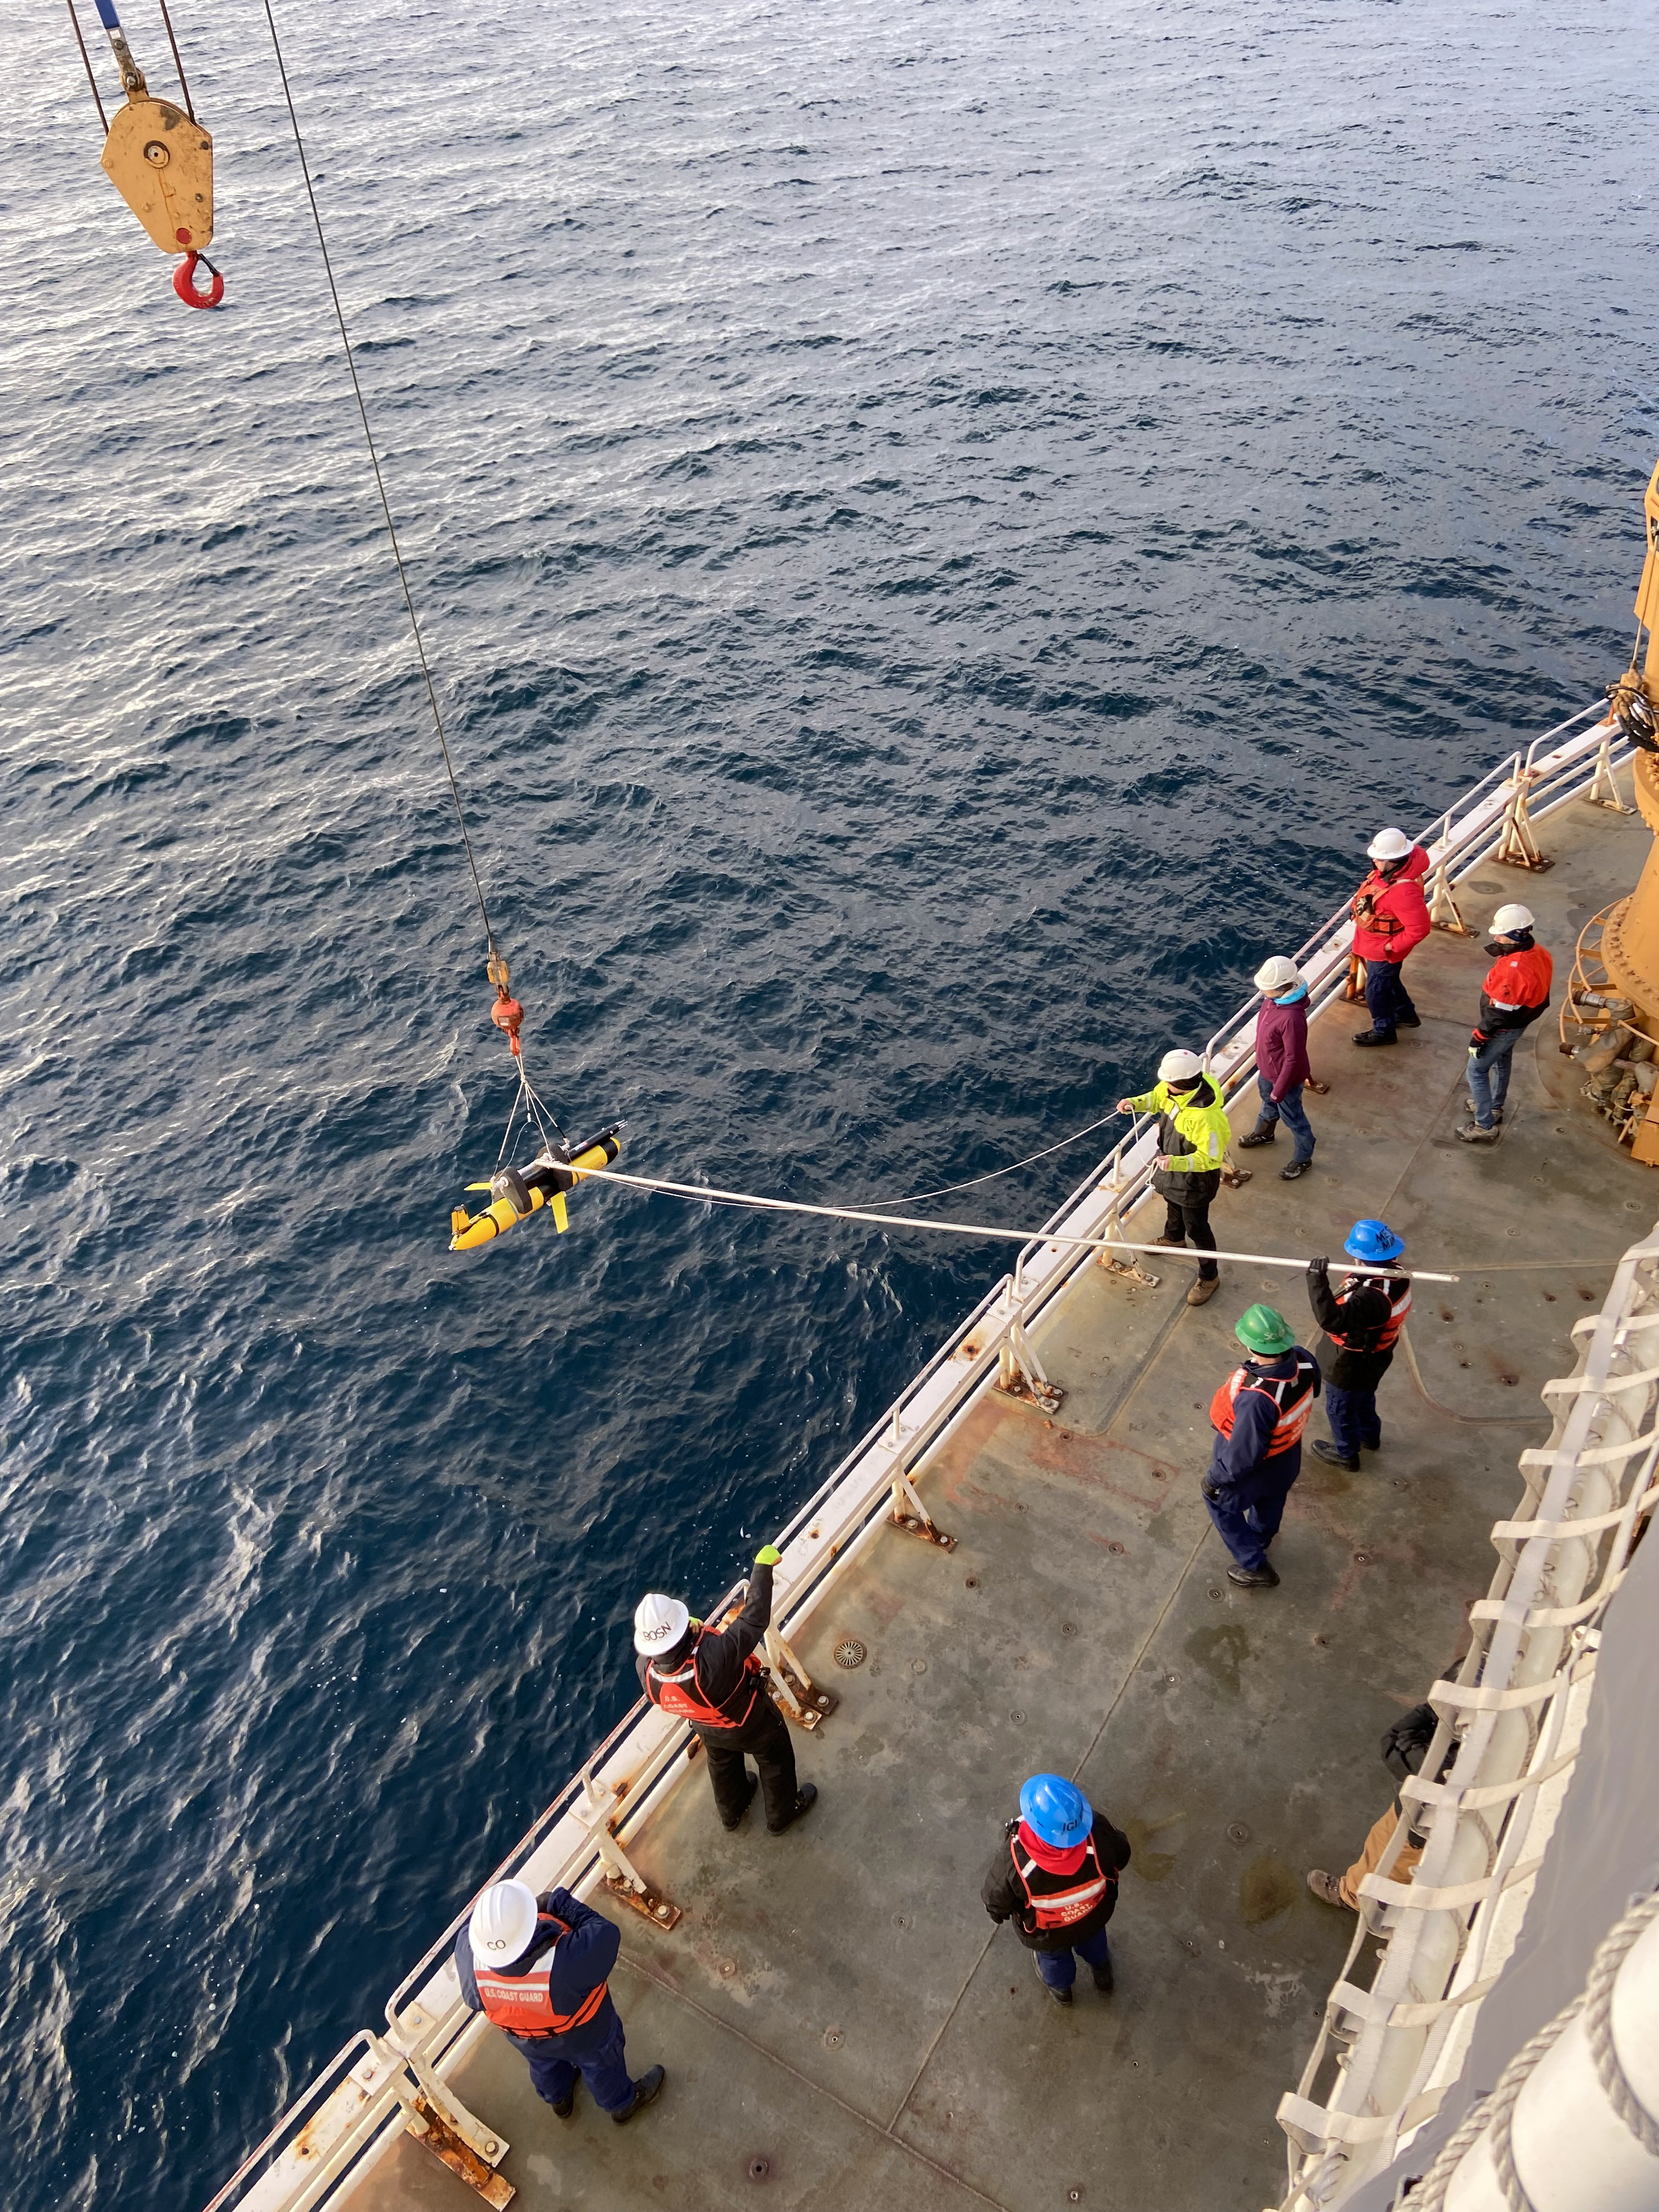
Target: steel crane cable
(914,1197)
(380,484)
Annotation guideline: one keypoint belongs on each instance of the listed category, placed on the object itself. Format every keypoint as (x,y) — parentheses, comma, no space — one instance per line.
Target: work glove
(1211,1492)
(1319,1268)
(768,1556)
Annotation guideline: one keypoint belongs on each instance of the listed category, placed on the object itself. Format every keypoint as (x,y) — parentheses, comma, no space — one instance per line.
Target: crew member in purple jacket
(1281,1062)
(539,1969)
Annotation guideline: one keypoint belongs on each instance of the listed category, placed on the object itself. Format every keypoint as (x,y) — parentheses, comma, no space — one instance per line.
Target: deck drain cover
(1237,1832)
(850,1653)
(1016,1717)
(1068,1628)
(759,2168)
(1115,1546)
(833,2038)
(1216,1593)
(1362,1559)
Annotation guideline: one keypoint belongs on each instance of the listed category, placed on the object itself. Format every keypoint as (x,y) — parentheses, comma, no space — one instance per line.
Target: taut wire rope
(916,1197)
(379,482)
(708,1194)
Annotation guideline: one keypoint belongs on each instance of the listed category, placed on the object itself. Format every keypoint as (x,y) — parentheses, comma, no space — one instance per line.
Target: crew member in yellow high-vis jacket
(1193,1134)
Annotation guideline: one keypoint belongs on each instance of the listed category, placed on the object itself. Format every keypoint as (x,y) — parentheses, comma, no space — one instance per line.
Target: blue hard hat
(1374,1242)
(1056,1810)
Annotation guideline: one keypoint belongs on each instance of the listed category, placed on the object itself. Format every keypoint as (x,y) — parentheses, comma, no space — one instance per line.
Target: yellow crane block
(162,164)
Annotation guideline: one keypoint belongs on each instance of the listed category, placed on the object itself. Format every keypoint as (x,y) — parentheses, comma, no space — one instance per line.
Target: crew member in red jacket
(711,1678)
(1515,991)
(1390,915)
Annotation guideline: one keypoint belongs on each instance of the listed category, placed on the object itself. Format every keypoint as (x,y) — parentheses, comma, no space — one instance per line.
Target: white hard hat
(659,1624)
(1179,1066)
(1390,845)
(1509,918)
(503,1924)
(1277,974)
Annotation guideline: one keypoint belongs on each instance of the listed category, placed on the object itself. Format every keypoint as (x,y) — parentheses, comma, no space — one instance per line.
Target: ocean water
(941,530)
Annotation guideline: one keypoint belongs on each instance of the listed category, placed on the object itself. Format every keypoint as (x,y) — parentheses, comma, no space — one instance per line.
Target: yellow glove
(768,1556)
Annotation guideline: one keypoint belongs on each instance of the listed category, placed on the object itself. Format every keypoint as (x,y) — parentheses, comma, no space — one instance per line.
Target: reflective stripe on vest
(681,1694)
(1290,1411)
(1398,1292)
(523,2003)
(1074,1898)
(1207,1136)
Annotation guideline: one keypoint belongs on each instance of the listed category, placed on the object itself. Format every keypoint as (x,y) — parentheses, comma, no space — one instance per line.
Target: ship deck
(840,2023)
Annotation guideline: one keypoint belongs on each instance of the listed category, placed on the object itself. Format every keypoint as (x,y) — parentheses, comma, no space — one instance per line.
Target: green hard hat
(1261,1329)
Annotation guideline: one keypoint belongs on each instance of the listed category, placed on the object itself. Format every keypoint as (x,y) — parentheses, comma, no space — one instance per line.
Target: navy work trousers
(604,2071)
(1387,999)
(1058,1968)
(1490,1065)
(1291,1111)
(1353,1416)
(1247,1514)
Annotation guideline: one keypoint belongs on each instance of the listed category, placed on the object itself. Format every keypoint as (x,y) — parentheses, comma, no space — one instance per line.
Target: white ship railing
(1386,2053)
(355,2110)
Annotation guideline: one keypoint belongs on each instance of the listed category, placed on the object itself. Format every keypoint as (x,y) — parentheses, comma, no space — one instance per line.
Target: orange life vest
(1292,1399)
(1060,1900)
(681,1694)
(1398,1291)
(523,2003)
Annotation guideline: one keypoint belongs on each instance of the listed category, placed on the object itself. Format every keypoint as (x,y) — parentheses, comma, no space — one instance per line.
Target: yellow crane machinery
(160,159)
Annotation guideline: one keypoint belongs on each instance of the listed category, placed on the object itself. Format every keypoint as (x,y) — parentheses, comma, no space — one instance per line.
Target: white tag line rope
(708,1193)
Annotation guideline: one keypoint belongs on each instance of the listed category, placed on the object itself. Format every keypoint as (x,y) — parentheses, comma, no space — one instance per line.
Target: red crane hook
(184,281)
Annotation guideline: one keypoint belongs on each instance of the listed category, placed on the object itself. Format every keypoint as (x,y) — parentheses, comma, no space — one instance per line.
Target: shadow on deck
(835,2002)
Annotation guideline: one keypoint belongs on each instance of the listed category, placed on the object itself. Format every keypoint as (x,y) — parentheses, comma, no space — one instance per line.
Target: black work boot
(1262,1577)
(644,2090)
(567,2104)
(1103,1977)
(1375,1037)
(748,1799)
(1259,1136)
(1332,1457)
(806,1797)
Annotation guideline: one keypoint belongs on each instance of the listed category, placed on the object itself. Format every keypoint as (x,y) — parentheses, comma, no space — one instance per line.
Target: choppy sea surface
(941,530)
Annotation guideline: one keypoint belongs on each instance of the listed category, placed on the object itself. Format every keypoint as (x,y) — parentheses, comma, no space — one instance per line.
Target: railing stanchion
(436,2119)
(1603,791)
(1444,913)
(1518,848)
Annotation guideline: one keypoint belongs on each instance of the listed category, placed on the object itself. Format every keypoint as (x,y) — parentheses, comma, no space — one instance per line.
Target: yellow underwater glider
(517,1192)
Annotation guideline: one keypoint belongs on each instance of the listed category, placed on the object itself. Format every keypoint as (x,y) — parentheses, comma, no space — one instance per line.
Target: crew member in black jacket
(1362,1319)
(1055,1877)
(711,1678)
